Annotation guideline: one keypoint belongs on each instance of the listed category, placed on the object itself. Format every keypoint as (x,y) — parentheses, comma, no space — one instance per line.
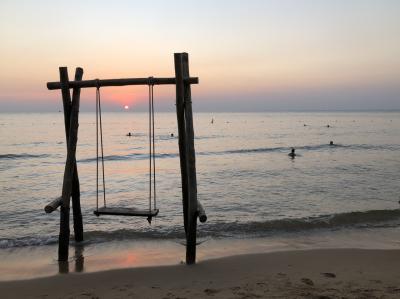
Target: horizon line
(264,111)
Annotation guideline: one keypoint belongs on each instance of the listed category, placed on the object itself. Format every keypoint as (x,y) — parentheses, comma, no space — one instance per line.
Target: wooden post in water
(75,192)
(180,113)
(63,237)
(191,168)
(187,153)
(71,112)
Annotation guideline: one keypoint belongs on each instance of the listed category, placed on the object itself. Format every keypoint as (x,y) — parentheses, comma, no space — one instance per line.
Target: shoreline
(41,261)
(292,274)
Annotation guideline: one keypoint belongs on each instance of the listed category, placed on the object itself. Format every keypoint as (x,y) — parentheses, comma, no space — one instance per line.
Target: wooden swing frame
(192,209)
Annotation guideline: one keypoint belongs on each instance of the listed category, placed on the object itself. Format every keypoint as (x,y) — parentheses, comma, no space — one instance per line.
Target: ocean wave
(143,156)
(22,156)
(28,241)
(366,219)
(133,156)
(318,147)
(350,220)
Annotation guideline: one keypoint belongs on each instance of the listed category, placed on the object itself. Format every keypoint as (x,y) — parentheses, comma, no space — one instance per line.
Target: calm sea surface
(247,183)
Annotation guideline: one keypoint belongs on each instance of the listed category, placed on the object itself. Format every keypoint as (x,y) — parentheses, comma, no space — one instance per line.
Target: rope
(154,150)
(150,148)
(152,158)
(102,151)
(99,126)
(97,151)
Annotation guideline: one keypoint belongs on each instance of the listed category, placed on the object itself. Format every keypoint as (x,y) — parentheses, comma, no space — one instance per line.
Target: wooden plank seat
(120,211)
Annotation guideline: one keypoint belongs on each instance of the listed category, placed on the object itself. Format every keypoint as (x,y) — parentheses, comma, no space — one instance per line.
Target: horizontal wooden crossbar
(120,82)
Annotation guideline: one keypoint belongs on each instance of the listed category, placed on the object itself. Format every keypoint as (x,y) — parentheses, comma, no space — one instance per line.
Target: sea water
(247,183)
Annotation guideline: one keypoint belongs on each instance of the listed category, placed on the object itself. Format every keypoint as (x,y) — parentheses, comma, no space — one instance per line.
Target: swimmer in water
(292,154)
(331,143)
(328,126)
(129,134)
(172,134)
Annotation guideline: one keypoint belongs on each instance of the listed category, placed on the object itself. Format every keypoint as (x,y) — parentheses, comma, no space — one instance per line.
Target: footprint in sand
(329,275)
(393,289)
(211,292)
(307,281)
(260,283)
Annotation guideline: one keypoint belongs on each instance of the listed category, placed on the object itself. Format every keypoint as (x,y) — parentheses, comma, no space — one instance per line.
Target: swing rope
(152,159)
(99,126)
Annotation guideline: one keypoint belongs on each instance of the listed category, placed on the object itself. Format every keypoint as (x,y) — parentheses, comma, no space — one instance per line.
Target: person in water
(292,154)
(129,134)
(172,134)
(331,143)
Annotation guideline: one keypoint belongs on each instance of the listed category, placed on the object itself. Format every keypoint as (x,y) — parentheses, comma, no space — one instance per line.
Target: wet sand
(321,273)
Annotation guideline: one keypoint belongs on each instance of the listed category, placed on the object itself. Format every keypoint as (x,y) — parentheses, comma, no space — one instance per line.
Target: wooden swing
(152,211)
(192,209)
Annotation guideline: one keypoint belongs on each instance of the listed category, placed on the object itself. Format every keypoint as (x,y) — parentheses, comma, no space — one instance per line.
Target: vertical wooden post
(180,113)
(191,167)
(71,123)
(76,194)
(187,153)
(63,237)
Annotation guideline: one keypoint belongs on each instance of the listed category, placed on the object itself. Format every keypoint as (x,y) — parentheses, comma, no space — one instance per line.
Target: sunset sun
(126,107)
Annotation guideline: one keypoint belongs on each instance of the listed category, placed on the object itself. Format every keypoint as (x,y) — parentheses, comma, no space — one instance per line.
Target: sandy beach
(322,273)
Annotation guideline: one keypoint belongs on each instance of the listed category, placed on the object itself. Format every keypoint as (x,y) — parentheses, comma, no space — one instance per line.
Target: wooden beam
(120,82)
(52,206)
(201,212)
(63,237)
(191,167)
(71,153)
(69,166)
(180,113)
(75,192)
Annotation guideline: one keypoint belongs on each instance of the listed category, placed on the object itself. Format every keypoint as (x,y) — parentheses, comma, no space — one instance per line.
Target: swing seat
(126,212)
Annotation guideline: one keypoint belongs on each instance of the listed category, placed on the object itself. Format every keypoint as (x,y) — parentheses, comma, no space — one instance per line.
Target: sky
(254,55)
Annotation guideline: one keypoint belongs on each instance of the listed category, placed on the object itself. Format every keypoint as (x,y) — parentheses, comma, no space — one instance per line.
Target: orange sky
(240,50)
